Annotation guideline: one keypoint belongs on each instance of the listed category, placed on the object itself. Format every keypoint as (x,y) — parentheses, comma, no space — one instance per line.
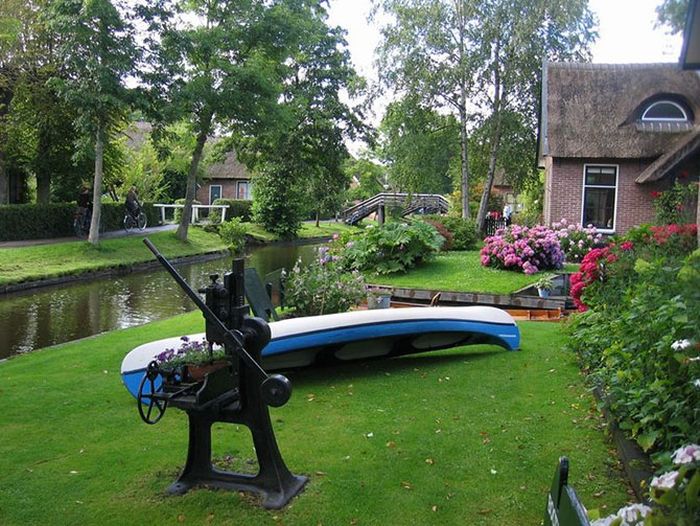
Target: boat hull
(383,333)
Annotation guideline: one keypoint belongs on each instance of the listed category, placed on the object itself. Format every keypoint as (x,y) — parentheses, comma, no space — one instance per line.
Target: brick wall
(564,192)
(228,190)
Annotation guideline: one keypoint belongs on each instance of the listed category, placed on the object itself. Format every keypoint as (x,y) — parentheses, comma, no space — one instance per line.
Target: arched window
(665,110)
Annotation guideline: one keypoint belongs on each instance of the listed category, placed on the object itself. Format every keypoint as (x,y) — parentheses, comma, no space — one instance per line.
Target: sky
(626,32)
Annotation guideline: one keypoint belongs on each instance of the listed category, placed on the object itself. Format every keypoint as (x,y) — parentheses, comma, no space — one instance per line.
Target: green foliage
(463,232)
(32,221)
(675,205)
(239,208)
(323,287)
(643,309)
(368,174)
(672,13)
(392,247)
(277,205)
(233,233)
(418,144)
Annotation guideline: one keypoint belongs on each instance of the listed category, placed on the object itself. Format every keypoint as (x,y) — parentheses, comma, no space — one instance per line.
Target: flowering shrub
(521,248)
(675,496)
(675,204)
(190,352)
(392,247)
(323,287)
(639,340)
(575,240)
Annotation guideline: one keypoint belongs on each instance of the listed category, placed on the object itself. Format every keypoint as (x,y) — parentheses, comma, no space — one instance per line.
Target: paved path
(104,235)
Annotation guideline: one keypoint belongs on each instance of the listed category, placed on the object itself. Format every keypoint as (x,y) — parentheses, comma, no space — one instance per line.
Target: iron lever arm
(233,338)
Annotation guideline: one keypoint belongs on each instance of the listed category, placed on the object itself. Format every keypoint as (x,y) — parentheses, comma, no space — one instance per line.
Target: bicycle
(81,222)
(135,220)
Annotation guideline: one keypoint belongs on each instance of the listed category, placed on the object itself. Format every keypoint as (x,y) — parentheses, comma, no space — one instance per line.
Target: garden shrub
(463,231)
(640,335)
(34,221)
(575,240)
(323,286)
(236,208)
(522,248)
(443,231)
(233,233)
(392,247)
(675,205)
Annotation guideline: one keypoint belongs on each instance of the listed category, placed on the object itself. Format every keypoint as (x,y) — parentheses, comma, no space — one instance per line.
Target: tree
(672,14)
(426,52)
(418,145)
(97,52)
(215,64)
(481,58)
(368,176)
(304,147)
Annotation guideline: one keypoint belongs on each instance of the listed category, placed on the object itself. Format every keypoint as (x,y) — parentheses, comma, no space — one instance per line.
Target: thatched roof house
(611,134)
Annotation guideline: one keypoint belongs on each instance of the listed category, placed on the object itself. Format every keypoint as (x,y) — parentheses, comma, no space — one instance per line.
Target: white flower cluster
(632,515)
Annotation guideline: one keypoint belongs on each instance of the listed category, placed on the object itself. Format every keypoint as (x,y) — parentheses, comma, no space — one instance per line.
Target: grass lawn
(308,230)
(464,436)
(457,272)
(60,259)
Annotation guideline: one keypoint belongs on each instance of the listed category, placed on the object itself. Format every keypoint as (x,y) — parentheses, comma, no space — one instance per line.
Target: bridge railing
(410,203)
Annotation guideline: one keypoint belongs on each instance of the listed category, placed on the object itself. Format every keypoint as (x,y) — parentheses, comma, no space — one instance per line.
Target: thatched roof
(593,110)
(685,147)
(229,168)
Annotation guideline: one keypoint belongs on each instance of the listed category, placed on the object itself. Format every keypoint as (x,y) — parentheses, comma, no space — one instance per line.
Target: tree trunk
(94,236)
(493,156)
(464,154)
(318,218)
(205,125)
(495,138)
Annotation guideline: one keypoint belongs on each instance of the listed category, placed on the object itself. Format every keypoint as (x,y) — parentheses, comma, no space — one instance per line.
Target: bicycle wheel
(141,220)
(129,222)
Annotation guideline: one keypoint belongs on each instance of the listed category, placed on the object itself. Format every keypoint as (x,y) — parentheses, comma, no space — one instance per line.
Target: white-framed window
(243,190)
(665,111)
(599,196)
(214,192)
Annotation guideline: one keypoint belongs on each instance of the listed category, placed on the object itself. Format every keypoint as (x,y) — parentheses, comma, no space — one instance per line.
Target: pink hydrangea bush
(576,240)
(521,248)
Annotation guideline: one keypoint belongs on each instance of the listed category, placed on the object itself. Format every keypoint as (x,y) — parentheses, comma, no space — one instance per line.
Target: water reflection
(38,318)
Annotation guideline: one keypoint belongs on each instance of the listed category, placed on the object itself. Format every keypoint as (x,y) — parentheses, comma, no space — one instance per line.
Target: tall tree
(481,58)
(304,148)
(215,64)
(97,52)
(418,145)
(427,52)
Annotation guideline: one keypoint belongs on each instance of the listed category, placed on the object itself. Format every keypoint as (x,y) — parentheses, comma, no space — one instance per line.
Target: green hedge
(32,221)
(236,208)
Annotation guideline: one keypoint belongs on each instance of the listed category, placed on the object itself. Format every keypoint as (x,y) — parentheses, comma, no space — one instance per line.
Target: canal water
(50,315)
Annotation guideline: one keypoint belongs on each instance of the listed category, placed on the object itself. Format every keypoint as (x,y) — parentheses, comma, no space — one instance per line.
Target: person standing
(507,213)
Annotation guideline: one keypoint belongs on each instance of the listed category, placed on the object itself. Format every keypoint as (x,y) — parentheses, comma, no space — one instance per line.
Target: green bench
(563,506)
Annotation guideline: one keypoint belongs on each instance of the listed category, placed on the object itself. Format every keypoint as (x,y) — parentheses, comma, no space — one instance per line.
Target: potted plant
(192,361)
(545,285)
(378,299)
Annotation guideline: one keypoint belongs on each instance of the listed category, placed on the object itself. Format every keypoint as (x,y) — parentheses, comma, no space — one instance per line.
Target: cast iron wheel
(161,405)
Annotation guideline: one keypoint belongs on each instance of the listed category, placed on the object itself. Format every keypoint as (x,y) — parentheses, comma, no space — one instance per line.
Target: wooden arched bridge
(408,203)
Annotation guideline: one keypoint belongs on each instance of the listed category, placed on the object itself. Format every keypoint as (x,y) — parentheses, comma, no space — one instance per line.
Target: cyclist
(132,202)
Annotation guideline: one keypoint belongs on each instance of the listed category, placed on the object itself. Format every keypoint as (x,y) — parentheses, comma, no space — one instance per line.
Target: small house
(614,135)
(228,179)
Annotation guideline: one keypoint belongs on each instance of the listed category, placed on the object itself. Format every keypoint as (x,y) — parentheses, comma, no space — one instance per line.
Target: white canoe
(300,342)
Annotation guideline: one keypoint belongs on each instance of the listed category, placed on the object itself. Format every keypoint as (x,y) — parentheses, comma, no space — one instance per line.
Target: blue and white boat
(300,342)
